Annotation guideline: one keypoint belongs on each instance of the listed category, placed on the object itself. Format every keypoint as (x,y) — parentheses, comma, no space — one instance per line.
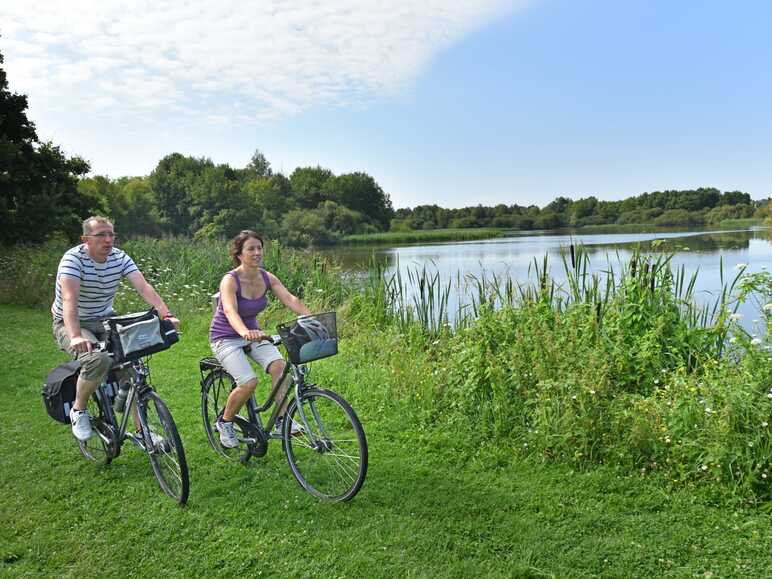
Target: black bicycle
(321,434)
(128,387)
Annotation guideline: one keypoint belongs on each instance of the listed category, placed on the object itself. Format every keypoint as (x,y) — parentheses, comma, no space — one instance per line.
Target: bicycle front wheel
(328,457)
(164,448)
(101,447)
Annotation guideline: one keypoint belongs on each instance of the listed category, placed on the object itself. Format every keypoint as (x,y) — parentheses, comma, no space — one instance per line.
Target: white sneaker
(295,430)
(227,434)
(81,424)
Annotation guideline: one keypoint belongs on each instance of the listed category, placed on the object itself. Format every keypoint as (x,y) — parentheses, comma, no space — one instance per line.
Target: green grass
(426,509)
(425,236)
(749,222)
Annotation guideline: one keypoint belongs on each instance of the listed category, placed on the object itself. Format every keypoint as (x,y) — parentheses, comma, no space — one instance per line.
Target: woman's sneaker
(81,424)
(295,430)
(227,433)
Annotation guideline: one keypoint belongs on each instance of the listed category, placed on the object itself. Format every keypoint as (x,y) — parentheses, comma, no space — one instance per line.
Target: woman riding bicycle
(243,295)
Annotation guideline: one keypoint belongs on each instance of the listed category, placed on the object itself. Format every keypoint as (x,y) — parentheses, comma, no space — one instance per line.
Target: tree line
(703,206)
(44,192)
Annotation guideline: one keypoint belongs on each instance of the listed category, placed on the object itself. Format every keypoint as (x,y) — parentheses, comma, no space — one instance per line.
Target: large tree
(38,182)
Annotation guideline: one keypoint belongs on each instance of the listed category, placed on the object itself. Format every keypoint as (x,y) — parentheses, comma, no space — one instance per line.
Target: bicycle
(327,453)
(158,435)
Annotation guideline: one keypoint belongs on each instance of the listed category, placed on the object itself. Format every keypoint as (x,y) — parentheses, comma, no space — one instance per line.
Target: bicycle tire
(330,461)
(168,456)
(215,389)
(101,447)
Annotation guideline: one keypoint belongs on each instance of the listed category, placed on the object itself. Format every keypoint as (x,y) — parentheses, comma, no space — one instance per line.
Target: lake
(698,250)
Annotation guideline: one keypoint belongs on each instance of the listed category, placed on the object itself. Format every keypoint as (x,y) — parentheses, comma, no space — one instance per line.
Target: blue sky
(454,103)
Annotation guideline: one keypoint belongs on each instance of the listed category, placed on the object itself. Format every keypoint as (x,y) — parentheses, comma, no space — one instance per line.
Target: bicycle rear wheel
(215,390)
(329,457)
(100,448)
(164,448)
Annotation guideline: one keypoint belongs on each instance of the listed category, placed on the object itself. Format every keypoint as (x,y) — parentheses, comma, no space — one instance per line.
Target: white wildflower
(740,266)
(735,317)
(768,307)
(704,467)
(755,341)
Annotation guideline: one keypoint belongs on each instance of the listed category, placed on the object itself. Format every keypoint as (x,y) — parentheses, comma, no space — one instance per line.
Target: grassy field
(425,236)
(426,510)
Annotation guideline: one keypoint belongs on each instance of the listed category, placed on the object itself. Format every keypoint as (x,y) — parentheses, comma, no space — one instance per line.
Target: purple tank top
(247,308)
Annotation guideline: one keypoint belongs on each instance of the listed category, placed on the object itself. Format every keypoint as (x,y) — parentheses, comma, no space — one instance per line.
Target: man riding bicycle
(87,279)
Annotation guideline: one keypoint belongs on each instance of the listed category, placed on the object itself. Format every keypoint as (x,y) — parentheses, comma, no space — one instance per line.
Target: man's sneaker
(227,433)
(81,424)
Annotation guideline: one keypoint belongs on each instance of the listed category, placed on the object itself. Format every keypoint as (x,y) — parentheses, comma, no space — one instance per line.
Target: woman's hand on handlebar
(255,335)
(175,321)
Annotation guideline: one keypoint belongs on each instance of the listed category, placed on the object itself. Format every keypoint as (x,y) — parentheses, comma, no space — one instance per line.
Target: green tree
(360,192)
(307,183)
(38,182)
(172,182)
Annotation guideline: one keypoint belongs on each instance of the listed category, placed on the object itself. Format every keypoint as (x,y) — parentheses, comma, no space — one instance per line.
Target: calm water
(697,250)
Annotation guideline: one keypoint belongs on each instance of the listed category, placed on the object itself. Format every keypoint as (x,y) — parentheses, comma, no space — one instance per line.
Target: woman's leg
(238,397)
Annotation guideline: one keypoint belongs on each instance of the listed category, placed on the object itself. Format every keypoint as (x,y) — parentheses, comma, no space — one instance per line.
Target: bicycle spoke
(170,466)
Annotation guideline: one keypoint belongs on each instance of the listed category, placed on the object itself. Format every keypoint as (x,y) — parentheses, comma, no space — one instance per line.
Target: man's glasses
(103,235)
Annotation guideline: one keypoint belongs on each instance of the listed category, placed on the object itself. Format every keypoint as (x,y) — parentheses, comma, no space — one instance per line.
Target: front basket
(310,338)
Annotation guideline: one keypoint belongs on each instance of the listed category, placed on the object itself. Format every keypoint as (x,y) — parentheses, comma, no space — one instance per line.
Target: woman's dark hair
(237,244)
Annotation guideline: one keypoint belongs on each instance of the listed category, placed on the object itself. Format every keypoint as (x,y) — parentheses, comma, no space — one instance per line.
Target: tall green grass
(620,367)
(184,272)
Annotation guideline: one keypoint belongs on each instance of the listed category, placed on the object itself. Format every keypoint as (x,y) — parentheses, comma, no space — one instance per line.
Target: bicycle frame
(298,373)
(137,386)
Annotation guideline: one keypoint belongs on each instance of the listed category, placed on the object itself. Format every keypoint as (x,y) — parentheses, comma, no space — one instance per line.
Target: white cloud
(249,60)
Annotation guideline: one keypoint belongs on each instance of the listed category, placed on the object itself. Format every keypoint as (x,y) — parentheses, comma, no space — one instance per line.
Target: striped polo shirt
(98,281)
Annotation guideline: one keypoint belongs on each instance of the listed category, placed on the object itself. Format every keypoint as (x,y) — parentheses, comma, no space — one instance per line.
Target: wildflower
(763,475)
(656,381)
(704,467)
(750,444)
(768,307)
(667,440)
(735,317)
(732,340)
(740,266)
(755,341)
(592,392)
(764,424)
(769,395)
(574,397)
(708,410)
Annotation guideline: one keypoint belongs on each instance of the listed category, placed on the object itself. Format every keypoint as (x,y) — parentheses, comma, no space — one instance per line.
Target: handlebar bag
(59,390)
(137,335)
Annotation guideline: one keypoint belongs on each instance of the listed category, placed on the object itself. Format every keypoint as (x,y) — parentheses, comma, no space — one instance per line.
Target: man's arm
(148,293)
(70,292)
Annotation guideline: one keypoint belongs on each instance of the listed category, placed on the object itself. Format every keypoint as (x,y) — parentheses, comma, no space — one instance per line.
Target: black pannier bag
(59,390)
(136,335)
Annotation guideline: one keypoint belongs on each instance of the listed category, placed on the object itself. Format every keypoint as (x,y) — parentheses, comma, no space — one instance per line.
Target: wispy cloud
(250,60)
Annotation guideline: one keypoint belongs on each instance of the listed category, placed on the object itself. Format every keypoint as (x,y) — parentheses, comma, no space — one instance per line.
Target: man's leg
(93,370)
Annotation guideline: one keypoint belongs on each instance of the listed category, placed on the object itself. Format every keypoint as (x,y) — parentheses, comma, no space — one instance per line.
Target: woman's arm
(285,297)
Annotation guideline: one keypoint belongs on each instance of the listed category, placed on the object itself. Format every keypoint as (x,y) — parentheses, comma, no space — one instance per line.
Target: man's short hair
(88,224)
